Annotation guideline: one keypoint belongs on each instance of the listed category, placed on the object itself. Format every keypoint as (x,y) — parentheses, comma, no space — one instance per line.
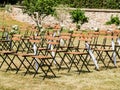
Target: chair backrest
(65,41)
(101,39)
(116,33)
(16,42)
(34,44)
(53,44)
(75,40)
(95,36)
(85,39)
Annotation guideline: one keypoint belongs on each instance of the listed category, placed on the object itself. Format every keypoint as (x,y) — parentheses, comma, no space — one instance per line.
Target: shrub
(78,17)
(113,20)
(112,4)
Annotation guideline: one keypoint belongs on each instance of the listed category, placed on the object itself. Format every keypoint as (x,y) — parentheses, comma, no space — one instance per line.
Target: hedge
(111,4)
(105,4)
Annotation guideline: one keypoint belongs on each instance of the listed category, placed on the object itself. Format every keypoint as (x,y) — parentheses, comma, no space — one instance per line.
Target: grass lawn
(8,22)
(95,80)
(105,79)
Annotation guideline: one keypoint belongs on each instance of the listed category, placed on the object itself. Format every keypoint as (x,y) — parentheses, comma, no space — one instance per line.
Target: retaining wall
(97,18)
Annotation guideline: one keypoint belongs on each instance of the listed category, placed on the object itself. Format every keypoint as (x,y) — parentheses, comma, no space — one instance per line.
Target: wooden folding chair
(117,41)
(65,39)
(16,40)
(40,60)
(106,49)
(4,33)
(5,40)
(45,62)
(23,57)
(75,56)
(6,55)
(16,45)
(92,44)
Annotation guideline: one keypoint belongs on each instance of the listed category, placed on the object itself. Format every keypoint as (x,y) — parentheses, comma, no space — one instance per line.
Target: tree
(78,17)
(4,2)
(39,9)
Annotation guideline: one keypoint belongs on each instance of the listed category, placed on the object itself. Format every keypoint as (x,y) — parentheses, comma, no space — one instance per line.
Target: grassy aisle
(102,80)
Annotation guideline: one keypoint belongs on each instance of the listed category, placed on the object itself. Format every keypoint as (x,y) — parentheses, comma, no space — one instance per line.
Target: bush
(114,20)
(78,17)
(112,4)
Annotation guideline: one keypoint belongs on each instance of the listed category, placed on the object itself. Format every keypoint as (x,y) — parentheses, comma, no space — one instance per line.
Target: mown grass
(105,79)
(7,22)
(96,80)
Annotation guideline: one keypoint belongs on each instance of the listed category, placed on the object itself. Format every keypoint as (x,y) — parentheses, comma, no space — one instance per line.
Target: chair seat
(7,52)
(25,38)
(108,45)
(61,50)
(117,45)
(110,50)
(24,54)
(4,40)
(54,50)
(41,57)
(42,48)
(53,43)
(77,53)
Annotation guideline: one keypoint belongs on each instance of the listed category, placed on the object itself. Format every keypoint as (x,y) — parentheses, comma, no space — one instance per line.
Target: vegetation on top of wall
(111,4)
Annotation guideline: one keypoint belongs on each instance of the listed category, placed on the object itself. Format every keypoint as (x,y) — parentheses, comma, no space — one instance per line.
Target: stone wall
(97,18)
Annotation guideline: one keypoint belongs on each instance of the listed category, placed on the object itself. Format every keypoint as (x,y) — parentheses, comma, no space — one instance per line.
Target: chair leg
(63,61)
(84,63)
(11,62)
(100,58)
(4,60)
(110,59)
(30,65)
(72,61)
(49,68)
(21,63)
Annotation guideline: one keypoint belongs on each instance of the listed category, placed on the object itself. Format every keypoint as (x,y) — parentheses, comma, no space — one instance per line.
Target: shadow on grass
(109,67)
(31,73)
(91,64)
(83,71)
(12,69)
(65,73)
(49,77)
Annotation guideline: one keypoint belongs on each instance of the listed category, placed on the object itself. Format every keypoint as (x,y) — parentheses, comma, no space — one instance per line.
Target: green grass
(8,22)
(95,80)
(5,19)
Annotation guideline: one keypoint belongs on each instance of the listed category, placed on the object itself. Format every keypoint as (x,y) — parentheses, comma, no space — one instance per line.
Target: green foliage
(43,7)
(8,8)
(8,1)
(112,4)
(114,20)
(14,30)
(39,9)
(78,16)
